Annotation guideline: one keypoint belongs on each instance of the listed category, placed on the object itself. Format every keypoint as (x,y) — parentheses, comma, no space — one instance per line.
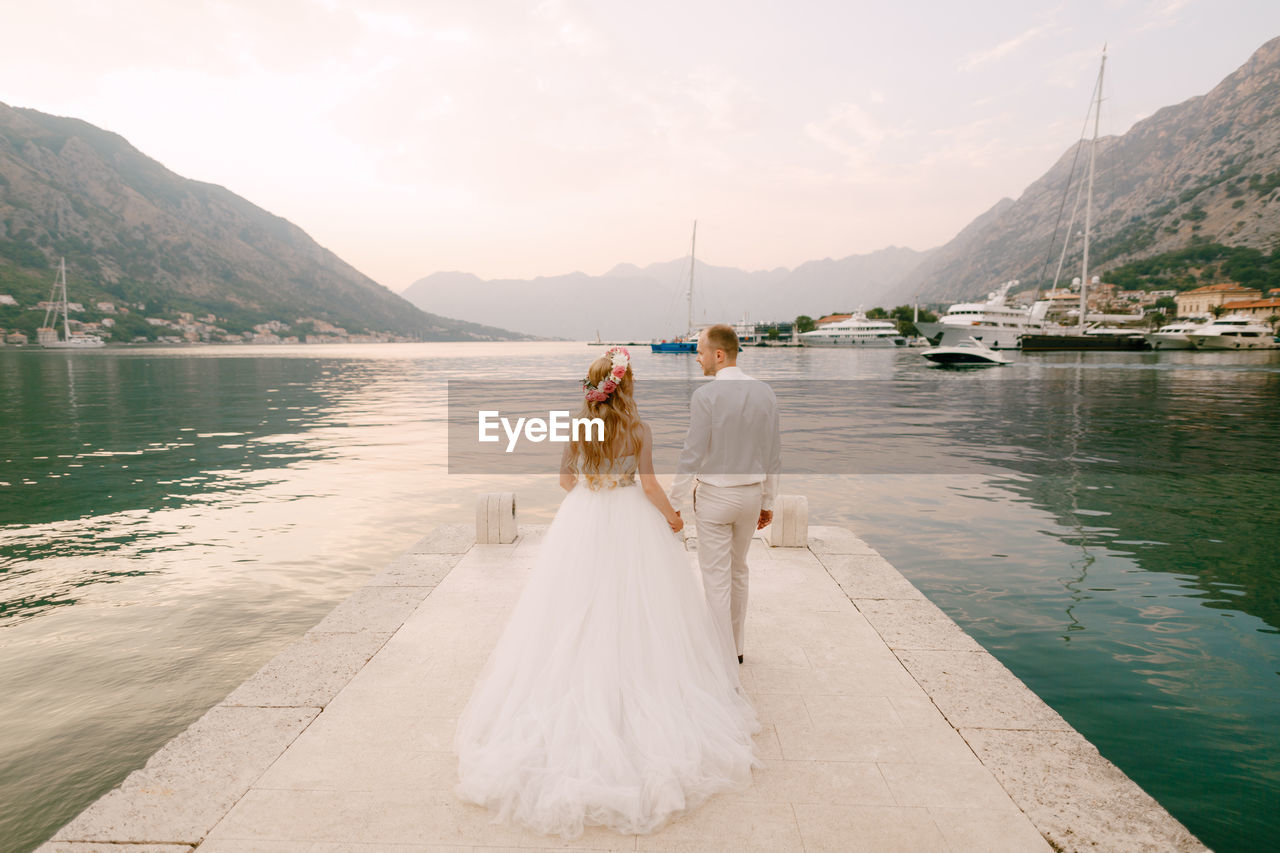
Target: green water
(170,519)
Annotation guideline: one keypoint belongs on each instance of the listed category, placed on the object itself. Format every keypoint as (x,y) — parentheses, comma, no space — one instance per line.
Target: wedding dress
(611,697)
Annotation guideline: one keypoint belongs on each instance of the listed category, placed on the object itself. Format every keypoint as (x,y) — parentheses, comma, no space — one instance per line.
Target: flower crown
(621,361)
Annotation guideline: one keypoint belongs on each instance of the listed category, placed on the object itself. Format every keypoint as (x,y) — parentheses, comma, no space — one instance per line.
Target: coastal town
(1128,307)
(1226,297)
(107,319)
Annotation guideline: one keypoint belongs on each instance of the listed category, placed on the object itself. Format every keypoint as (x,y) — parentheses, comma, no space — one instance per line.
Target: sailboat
(688,342)
(1079,337)
(47,334)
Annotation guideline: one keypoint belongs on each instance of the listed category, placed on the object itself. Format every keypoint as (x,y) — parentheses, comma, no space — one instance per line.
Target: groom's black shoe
(739,658)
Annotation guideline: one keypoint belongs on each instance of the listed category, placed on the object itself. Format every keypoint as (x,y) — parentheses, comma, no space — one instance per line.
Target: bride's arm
(567,478)
(649,481)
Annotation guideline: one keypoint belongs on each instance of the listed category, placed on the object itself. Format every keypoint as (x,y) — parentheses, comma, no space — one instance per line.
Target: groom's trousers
(726,517)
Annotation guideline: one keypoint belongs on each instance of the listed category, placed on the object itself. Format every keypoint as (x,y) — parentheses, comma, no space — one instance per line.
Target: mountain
(135,232)
(633,303)
(1204,171)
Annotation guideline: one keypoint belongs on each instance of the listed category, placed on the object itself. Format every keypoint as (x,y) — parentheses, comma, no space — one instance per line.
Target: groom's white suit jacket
(734,437)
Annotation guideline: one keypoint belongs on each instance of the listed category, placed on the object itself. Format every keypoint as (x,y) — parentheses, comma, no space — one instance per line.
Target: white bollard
(496,518)
(790,525)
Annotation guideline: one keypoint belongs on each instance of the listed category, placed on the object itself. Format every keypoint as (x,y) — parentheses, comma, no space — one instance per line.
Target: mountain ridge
(1202,170)
(721,294)
(136,232)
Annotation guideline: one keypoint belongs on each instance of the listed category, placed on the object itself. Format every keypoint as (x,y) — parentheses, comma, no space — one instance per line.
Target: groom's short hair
(723,337)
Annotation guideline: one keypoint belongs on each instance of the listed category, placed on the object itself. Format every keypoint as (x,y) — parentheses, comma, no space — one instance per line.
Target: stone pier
(886,728)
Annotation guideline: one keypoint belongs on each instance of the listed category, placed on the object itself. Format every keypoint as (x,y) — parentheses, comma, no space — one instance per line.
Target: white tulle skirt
(610,698)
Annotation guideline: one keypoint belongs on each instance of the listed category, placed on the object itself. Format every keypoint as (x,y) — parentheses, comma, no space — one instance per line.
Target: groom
(733,451)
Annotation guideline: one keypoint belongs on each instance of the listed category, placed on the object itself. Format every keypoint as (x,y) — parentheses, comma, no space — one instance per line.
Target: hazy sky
(514,139)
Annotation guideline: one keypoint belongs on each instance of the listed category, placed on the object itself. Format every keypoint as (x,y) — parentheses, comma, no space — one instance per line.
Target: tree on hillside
(904,316)
(130,326)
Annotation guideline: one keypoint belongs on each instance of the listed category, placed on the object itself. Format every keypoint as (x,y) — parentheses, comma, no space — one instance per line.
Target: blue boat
(688,342)
(674,346)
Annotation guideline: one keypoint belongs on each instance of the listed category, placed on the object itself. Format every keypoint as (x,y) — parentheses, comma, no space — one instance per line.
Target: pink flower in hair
(609,386)
(620,371)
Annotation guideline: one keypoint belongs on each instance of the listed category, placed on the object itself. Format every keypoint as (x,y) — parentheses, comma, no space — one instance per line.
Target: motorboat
(1174,335)
(971,352)
(856,331)
(1234,331)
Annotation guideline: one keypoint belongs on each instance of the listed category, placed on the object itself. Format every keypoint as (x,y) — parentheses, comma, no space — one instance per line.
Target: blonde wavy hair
(622,427)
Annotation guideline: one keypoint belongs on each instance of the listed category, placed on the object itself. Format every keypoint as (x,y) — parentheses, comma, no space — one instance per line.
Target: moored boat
(997,323)
(1234,332)
(1174,335)
(1094,340)
(1081,337)
(856,331)
(47,334)
(688,342)
(678,345)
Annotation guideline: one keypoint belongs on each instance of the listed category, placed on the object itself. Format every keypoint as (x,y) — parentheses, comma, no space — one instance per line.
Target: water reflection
(1099,521)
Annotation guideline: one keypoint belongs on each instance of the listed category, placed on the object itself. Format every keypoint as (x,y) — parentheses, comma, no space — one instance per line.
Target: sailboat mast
(62,277)
(693,261)
(1088,205)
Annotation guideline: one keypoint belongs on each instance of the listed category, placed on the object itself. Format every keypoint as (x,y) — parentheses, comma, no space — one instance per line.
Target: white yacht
(1234,331)
(746,332)
(970,352)
(1174,335)
(993,322)
(47,334)
(857,331)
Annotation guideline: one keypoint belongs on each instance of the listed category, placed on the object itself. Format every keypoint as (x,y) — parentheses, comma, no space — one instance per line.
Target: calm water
(171,519)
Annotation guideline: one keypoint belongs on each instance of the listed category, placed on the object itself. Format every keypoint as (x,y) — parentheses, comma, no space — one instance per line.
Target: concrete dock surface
(885,728)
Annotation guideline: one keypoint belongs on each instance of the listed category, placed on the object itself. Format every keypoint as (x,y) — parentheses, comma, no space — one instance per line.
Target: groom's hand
(766,516)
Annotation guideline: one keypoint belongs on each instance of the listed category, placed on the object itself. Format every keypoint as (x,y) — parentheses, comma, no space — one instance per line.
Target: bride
(611,697)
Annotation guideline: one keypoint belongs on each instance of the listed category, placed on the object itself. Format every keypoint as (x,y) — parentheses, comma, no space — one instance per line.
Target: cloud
(1164,13)
(850,131)
(975,60)
(1073,70)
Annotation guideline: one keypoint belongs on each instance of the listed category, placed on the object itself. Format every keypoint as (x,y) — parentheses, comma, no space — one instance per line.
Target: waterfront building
(1060,301)
(1258,309)
(1201,301)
